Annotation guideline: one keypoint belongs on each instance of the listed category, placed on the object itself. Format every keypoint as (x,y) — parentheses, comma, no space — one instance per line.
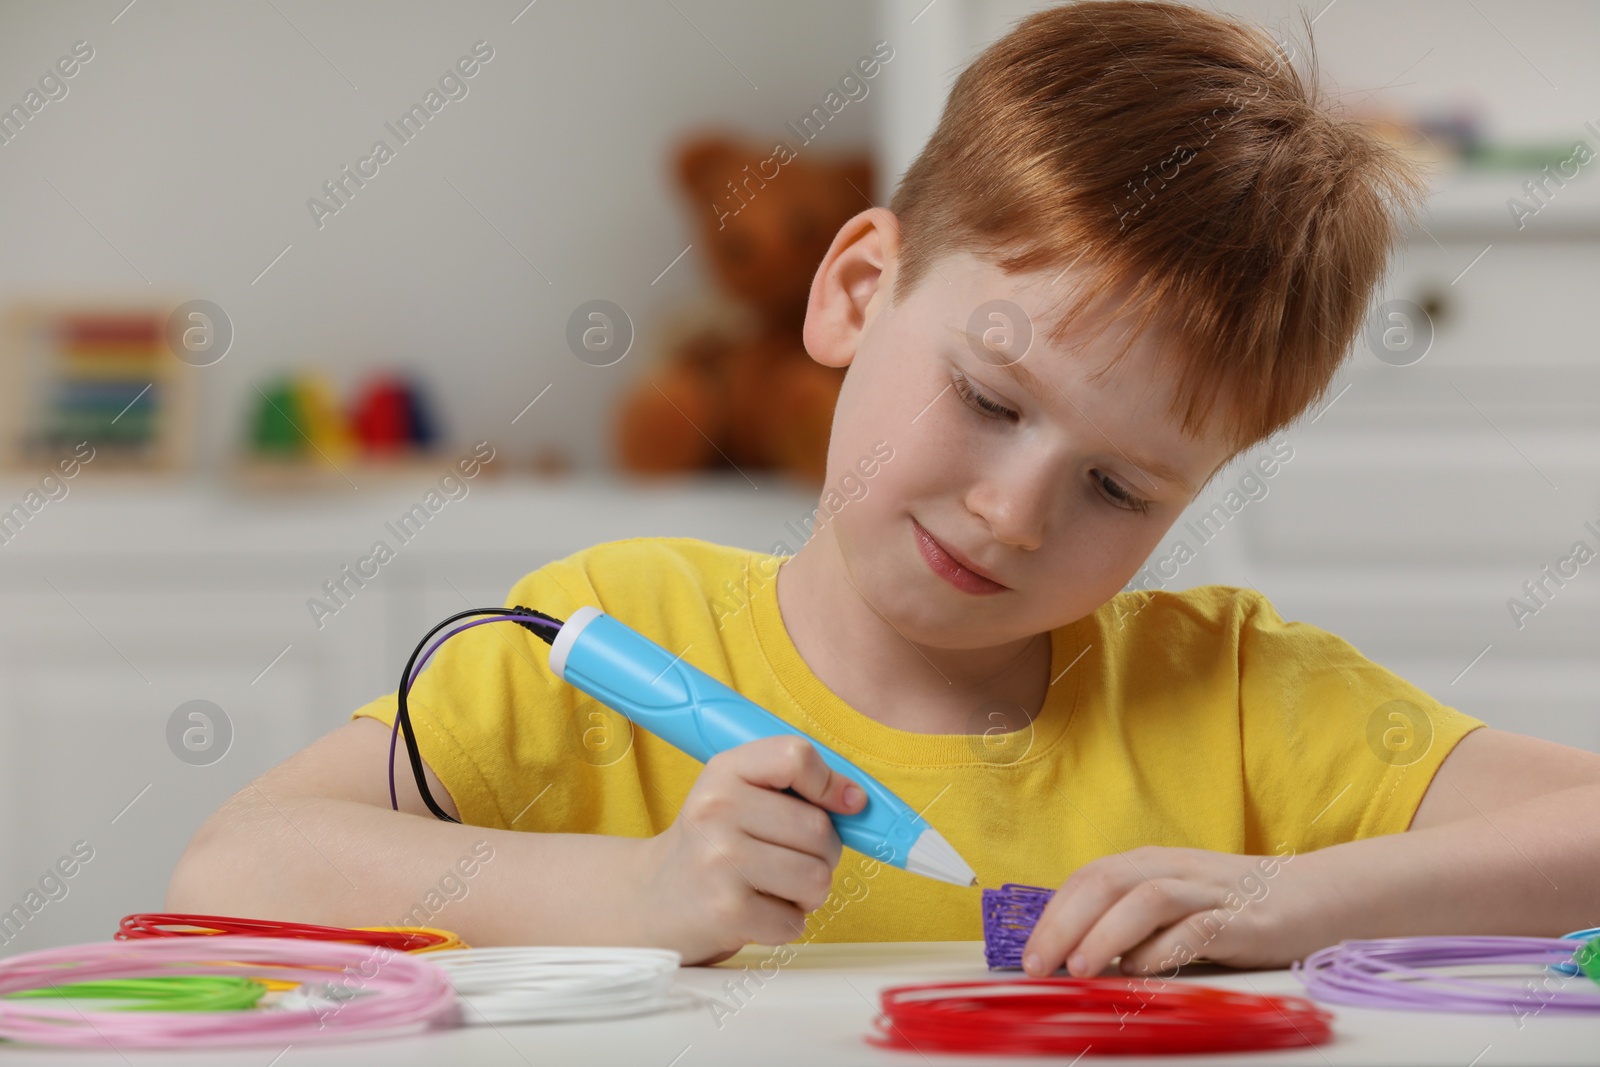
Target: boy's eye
(977,400)
(1119,497)
(1128,500)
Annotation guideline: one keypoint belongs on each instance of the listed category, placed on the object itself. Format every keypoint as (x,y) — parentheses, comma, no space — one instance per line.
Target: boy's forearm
(1529,869)
(344,863)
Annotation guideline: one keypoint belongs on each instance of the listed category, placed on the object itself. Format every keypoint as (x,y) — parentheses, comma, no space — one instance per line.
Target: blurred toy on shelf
(299,435)
(97,373)
(745,393)
(382,416)
(324,423)
(1454,137)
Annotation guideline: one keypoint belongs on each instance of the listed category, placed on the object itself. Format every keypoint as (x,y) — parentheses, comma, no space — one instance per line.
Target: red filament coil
(1106,1016)
(143,925)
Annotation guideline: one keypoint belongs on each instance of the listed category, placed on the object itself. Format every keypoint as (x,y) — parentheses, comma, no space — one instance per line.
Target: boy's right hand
(745,862)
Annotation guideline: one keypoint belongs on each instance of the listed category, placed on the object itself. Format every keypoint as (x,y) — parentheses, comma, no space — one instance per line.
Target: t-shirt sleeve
(1335,746)
(491,719)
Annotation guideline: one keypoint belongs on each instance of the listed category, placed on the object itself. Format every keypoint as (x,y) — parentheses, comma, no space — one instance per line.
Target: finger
(795,877)
(1083,898)
(772,921)
(789,761)
(1181,943)
(1147,908)
(780,819)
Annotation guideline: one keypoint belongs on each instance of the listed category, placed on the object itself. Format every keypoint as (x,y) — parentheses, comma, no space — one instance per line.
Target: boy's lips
(955,569)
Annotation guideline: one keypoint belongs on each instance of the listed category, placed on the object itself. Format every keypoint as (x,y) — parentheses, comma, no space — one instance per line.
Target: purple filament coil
(1009,916)
(1394,973)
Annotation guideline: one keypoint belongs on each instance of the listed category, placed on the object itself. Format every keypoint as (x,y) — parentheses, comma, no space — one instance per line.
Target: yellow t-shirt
(1196,719)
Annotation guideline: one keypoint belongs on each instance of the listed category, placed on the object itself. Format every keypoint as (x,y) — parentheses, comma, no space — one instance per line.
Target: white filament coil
(525,983)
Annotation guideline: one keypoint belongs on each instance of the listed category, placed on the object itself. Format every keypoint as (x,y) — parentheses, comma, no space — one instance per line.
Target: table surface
(818,1008)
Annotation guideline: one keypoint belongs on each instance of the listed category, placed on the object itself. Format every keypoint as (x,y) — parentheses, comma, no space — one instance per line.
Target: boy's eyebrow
(1026,378)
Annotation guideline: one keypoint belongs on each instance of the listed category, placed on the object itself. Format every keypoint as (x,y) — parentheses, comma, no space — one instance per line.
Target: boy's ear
(851,285)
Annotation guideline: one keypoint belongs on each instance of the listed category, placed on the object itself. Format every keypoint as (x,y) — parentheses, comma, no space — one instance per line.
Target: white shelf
(1472,205)
(139,516)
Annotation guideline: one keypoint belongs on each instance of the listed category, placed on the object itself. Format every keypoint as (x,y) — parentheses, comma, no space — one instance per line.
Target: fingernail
(1077,964)
(853,796)
(1030,963)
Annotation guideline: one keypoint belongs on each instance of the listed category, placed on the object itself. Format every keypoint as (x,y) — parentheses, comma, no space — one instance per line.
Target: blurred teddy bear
(745,388)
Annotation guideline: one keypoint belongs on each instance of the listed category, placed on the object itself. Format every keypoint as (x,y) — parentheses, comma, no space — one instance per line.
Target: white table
(818,1008)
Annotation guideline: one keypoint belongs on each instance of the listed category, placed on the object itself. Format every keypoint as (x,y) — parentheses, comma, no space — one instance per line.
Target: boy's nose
(1015,509)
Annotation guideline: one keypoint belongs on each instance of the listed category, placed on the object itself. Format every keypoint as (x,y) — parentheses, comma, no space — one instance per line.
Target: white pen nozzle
(933,856)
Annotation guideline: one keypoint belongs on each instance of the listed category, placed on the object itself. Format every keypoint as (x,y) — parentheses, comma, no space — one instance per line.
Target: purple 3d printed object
(1009,915)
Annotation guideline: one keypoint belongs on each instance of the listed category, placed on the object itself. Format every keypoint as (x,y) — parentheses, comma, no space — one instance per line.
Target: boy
(1134,249)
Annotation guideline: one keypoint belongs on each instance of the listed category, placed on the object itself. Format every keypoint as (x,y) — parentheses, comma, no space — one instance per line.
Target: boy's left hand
(1160,907)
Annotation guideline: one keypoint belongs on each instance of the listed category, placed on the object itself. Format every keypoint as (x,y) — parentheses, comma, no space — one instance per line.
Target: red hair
(1195,174)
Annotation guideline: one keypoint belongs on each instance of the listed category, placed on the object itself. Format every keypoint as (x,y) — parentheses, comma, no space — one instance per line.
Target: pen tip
(931,855)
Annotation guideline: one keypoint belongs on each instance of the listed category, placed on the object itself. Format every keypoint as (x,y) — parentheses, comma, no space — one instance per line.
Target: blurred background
(244,344)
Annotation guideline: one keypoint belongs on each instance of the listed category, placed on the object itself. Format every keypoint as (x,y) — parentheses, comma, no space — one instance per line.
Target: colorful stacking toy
(298,417)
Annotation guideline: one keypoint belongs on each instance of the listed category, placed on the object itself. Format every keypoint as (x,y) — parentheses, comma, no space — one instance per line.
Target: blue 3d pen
(693,712)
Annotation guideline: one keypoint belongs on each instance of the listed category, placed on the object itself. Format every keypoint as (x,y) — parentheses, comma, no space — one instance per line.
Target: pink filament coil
(346,992)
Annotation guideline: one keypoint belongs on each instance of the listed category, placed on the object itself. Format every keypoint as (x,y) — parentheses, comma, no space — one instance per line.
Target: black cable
(547,629)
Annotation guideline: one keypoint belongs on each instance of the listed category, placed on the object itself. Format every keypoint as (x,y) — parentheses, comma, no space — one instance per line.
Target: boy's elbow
(199,883)
(242,859)
(192,887)
(186,889)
